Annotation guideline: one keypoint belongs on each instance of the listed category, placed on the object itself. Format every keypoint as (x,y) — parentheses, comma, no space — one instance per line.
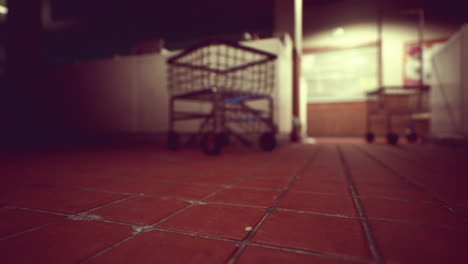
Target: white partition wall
(283,82)
(129,94)
(449,93)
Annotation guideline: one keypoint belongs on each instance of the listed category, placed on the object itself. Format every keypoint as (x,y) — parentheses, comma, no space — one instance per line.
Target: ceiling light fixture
(3,10)
(337,32)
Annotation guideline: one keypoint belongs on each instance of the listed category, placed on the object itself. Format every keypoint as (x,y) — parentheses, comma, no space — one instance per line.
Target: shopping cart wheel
(392,138)
(267,141)
(173,140)
(412,137)
(370,137)
(211,143)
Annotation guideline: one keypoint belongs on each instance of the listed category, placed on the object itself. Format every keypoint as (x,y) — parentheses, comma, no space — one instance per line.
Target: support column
(288,20)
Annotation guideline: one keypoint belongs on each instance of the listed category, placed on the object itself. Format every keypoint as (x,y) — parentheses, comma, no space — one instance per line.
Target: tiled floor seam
(419,224)
(108,248)
(256,207)
(239,180)
(147,195)
(236,181)
(143,229)
(309,252)
(152,227)
(235,256)
(86,212)
(393,153)
(41,211)
(397,199)
(373,248)
(315,253)
(333,256)
(373,197)
(413,184)
(421,162)
(29,230)
(196,235)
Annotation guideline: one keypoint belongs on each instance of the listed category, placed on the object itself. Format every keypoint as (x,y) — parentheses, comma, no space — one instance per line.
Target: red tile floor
(330,202)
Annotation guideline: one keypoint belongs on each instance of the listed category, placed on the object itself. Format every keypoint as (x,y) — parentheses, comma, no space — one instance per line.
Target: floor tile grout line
(104,205)
(237,253)
(406,179)
(193,202)
(257,188)
(103,220)
(240,205)
(29,230)
(420,161)
(302,251)
(370,197)
(236,205)
(134,226)
(230,185)
(41,211)
(240,179)
(101,191)
(260,189)
(413,184)
(419,224)
(401,149)
(131,178)
(138,180)
(227,186)
(311,252)
(254,243)
(373,248)
(261,208)
(152,227)
(129,196)
(185,181)
(108,249)
(148,228)
(396,199)
(117,201)
(172,215)
(317,213)
(197,235)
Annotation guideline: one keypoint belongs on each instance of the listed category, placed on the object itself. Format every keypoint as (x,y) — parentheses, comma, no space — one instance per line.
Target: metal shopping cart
(237,82)
(400,107)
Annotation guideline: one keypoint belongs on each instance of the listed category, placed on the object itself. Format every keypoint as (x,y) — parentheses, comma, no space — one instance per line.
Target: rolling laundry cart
(392,102)
(238,84)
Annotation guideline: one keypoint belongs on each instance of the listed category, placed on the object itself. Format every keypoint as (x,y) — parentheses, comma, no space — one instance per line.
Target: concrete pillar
(288,20)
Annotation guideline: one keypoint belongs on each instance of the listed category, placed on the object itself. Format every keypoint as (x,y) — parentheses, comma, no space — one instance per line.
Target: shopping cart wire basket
(237,82)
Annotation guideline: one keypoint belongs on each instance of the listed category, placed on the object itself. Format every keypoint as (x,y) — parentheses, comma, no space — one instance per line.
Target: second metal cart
(392,102)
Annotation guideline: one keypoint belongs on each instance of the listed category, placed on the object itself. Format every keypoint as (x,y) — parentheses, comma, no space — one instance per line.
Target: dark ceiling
(174,17)
(175,20)
(119,23)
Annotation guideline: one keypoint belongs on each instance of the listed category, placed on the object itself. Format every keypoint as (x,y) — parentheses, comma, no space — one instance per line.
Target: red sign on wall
(412,62)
